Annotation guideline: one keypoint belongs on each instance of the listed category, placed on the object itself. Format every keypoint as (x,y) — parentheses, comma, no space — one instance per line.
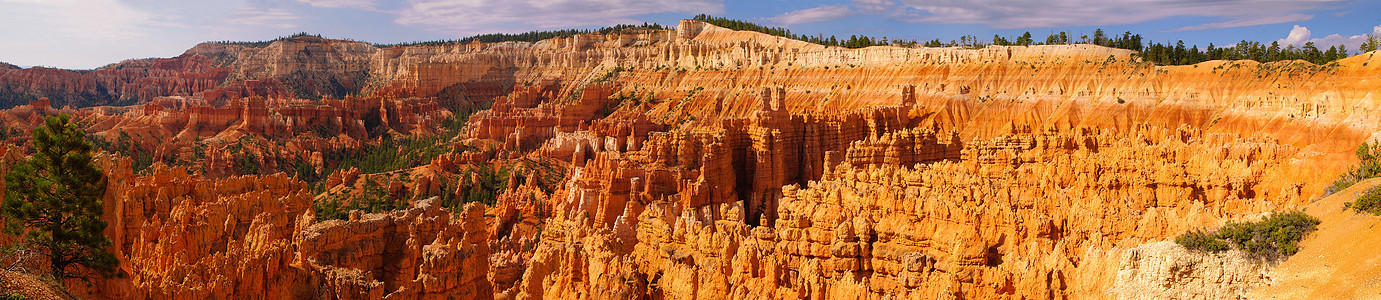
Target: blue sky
(84,34)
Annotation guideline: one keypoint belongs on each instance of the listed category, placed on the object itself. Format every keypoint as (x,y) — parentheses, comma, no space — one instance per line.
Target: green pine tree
(53,201)
(1371,44)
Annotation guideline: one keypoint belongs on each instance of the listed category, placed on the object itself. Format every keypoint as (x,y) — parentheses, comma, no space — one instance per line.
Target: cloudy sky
(84,34)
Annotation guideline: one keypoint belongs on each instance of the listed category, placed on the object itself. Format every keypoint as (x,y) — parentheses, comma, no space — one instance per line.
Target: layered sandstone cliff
(703,162)
(182,236)
(302,66)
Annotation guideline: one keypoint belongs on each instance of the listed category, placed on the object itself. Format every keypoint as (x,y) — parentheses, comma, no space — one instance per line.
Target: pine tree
(1000,41)
(1025,39)
(53,200)
(1371,44)
(1312,53)
(1273,53)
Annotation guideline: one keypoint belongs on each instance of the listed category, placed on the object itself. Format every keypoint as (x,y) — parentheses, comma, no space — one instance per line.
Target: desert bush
(1368,201)
(1201,241)
(1274,237)
(1368,167)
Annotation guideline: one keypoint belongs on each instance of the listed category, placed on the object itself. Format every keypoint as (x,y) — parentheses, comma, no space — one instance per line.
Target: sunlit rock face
(708,163)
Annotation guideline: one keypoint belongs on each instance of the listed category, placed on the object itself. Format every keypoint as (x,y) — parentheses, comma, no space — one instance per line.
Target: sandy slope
(1342,260)
(27,286)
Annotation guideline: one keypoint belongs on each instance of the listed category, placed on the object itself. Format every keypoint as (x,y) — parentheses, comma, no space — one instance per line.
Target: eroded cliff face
(183,236)
(273,134)
(708,163)
(1027,214)
(307,66)
(124,83)
(1005,172)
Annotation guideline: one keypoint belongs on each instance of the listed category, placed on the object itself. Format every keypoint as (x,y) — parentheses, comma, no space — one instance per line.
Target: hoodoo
(703,163)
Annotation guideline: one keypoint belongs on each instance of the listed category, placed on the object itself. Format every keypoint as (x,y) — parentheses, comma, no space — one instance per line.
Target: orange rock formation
(703,162)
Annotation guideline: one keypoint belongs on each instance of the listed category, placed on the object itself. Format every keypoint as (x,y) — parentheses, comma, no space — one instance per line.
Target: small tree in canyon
(53,201)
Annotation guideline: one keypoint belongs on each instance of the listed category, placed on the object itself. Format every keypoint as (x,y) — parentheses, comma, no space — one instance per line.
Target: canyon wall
(1002,172)
(708,163)
(183,236)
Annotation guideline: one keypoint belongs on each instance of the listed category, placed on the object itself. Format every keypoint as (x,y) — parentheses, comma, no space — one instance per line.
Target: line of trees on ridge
(1164,53)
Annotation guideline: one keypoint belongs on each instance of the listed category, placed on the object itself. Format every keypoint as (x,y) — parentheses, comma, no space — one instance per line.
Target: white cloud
(81,34)
(104,20)
(1299,35)
(811,15)
(359,4)
(263,17)
(874,6)
(474,16)
(1248,22)
(1008,14)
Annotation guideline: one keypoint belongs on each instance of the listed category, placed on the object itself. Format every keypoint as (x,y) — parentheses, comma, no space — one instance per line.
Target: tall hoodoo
(698,162)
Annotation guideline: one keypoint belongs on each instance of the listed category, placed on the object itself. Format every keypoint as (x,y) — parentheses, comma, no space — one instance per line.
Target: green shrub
(1201,241)
(1274,237)
(331,209)
(393,154)
(1368,167)
(124,145)
(374,199)
(489,183)
(1369,201)
(1342,183)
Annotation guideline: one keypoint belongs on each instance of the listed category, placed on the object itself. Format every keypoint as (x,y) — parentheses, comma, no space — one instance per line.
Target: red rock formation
(1010,208)
(417,253)
(310,65)
(706,163)
(184,128)
(186,237)
(127,82)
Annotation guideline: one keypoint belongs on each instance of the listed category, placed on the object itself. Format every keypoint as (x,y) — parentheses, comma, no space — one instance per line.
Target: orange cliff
(703,162)
(1003,172)
(925,215)
(188,128)
(182,236)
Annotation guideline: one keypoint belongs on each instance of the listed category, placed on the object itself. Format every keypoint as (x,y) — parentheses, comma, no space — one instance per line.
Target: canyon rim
(696,161)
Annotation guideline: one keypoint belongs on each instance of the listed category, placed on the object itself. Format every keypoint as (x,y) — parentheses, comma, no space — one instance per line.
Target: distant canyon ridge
(695,163)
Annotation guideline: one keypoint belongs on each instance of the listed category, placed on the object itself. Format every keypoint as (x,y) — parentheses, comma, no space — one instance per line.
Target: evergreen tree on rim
(53,201)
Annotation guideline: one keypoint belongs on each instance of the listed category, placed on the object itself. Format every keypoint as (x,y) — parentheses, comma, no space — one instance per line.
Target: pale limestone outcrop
(1164,270)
